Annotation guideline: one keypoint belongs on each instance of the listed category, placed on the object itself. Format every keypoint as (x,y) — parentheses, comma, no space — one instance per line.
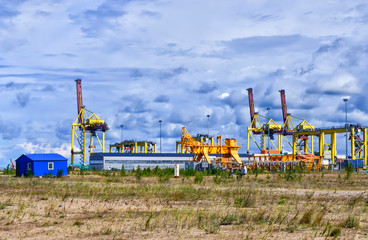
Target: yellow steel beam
(352,141)
(321,144)
(365,146)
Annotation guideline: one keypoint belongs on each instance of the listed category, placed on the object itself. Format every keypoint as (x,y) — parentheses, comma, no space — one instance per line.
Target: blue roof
(46,157)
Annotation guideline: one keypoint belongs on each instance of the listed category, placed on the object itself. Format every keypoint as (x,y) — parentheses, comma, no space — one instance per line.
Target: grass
(108,205)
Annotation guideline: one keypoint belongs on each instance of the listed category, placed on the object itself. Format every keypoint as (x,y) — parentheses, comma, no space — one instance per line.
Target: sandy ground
(95,207)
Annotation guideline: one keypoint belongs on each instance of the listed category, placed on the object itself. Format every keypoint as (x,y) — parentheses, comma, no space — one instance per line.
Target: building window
(51,166)
(29,166)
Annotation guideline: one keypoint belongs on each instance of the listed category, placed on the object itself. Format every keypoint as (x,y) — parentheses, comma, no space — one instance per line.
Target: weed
(289,175)
(198,178)
(212,224)
(164,178)
(307,217)
(351,222)
(319,217)
(146,226)
(355,200)
(221,177)
(4,205)
(335,232)
(246,201)
(228,220)
(291,228)
(77,223)
(281,201)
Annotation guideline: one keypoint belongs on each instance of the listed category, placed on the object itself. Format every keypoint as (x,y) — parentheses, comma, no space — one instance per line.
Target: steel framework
(87,122)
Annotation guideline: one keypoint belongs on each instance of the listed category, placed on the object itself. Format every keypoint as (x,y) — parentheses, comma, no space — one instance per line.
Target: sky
(177,61)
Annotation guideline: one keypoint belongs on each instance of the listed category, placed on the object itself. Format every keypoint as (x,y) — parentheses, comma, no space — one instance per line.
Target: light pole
(208,125)
(160,121)
(346,128)
(268,130)
(122,132)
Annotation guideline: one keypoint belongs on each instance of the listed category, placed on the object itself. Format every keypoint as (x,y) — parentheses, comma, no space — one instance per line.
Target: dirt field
(265,206)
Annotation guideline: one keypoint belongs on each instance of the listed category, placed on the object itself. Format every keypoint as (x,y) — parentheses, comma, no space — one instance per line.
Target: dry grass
(266,206)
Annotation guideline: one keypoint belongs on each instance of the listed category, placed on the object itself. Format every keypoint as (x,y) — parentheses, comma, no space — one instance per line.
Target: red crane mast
(79,98)
(251,106)
(284,108)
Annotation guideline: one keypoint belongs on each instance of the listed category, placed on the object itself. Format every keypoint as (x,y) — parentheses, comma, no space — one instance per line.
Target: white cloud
(142,61)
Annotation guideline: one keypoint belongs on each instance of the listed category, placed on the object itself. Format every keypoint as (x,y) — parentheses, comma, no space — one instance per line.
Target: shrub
(349,169)
(59,173)
(198,178)
(138,173)
(147,172)
(187,172)
(221,177)
(122,171)
(29,173)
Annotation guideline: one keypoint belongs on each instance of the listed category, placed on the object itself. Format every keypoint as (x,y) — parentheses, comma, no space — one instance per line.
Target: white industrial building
(115,161)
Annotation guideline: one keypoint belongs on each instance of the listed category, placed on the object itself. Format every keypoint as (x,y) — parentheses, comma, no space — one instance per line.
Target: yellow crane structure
(87,122)
(229,159)
(358,145)
(271,128)
(133,146)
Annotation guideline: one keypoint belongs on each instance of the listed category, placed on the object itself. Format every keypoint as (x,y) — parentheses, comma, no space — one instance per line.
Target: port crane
(270,128)
(87,122)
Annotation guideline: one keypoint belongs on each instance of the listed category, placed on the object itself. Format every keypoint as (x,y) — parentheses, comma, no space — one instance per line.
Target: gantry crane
(289,128)
(86,122)
(265,130)
(303,131)
(270,128)
(230,158)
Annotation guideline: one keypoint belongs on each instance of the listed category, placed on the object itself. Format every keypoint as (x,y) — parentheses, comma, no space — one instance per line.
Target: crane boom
(251,106)
(284,108)
(79,98)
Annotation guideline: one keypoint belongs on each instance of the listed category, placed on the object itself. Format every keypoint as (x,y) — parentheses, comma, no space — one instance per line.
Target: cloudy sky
(141,61)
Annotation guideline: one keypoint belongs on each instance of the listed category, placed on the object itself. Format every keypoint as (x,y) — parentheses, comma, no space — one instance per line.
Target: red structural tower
(251,106)
(79,97)
(284,108)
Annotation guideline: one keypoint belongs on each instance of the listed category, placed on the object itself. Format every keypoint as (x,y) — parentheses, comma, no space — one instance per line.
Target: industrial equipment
(283,162)
(132,147)
(270,129)
(301,134)
(265,130)
(230,158)
(86,122)
(12,165)
(203,138)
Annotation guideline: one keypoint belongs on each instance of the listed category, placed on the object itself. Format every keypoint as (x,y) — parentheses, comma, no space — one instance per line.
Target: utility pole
(208,125)
(346,128)
(122,132)
(160,121)
(268,130)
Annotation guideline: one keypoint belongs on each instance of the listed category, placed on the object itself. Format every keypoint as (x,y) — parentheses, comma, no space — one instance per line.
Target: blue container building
(48,164)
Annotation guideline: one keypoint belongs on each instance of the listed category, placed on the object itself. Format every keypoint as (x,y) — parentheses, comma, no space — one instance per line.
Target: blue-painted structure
(356,163)
(47,164)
